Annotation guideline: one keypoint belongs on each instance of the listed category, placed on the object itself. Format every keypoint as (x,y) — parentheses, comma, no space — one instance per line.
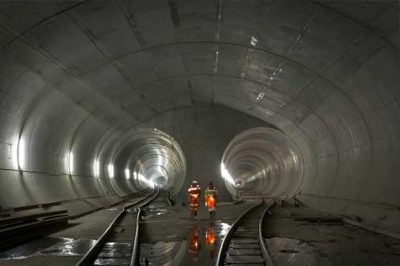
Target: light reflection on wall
(69,162)
(21,153)
(110,169)
(148,183)
(127,173)
(14,152)
(226,175)
(96,168)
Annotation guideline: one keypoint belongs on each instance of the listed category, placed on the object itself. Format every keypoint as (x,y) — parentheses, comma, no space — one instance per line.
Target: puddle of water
(152,211)
(112,261)
(200,248)
(115,253)
(68,247)
(163,253)
(48,246)
(116,249)
(28,249)
(204,240)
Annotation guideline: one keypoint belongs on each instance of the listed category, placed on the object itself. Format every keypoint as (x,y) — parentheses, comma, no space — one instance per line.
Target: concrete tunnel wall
(81,74)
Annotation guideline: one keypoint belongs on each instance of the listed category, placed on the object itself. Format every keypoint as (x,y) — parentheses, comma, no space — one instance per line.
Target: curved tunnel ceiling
(79,75)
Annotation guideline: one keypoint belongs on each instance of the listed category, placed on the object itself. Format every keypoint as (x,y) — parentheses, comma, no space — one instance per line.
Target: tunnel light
(110,169)
(134,175)
(226,175)
(127,173)
(69,162)
(96,168)
(21,153)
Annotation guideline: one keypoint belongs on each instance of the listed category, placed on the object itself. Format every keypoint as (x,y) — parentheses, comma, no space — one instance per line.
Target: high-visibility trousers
(211,203)
(194,203)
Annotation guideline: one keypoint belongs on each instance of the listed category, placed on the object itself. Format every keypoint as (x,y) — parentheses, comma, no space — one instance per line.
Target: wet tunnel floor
(169,237)
(199,248)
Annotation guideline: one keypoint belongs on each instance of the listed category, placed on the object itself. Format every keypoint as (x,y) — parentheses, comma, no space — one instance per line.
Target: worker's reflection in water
(211,241)
(194,242)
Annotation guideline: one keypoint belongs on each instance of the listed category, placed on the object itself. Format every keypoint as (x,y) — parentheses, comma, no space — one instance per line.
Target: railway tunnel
(297,101)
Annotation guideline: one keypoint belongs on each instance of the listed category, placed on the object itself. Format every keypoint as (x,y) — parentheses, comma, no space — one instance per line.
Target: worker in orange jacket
(194,193)
(210,198)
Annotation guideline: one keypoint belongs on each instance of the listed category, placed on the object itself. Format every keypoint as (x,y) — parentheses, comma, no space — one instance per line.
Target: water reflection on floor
(27,250)
(115,253)
(152,211)
(155,209)
(69,247)
(48,246)
(200,248)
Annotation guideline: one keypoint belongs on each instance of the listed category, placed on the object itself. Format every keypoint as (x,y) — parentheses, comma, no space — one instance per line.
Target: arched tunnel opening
(105,104)
(153,157)
(262,162)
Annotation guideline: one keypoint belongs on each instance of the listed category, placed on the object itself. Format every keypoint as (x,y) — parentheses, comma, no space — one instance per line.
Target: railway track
(244,243)
(108,249)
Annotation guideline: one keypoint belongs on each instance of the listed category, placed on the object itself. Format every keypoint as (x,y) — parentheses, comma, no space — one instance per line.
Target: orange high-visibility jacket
(211,198)
(194,196)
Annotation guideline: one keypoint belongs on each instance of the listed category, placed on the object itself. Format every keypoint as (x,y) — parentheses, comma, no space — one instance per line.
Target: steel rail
(91,254)
(169,198)
(267,256)
(135,250)
(225,242)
